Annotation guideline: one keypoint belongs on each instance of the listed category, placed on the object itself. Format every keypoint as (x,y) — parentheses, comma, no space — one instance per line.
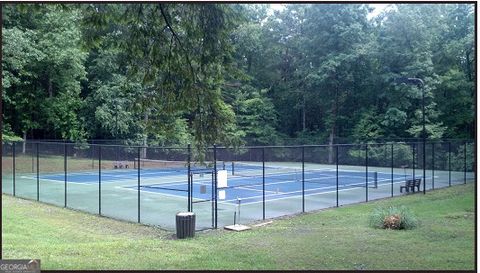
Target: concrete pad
(263,224)
(237,227)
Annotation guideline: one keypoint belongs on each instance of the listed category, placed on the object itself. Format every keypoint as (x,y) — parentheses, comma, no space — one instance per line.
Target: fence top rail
(241,147)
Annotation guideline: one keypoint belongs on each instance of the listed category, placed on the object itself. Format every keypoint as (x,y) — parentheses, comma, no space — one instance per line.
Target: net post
(336,163)
(303,178)
(449,164)
(215,182)
(465,162)
(366,172)
(391,165)
(13,162)
(433,165)
(65,173)
(99,180)
(38,172)
(189,182)
(263,182)
(138,185)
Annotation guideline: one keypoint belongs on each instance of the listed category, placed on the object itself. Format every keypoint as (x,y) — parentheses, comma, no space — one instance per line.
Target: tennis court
(261,182)
(245,183)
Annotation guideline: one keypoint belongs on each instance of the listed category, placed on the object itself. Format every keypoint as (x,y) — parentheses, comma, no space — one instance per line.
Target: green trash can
(185,223)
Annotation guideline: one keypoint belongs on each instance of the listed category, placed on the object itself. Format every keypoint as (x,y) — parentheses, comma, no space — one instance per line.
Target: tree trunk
(304,126)
(144,150)
(24,144)
(50,88)
(330,146)
(469,70)
(334,125)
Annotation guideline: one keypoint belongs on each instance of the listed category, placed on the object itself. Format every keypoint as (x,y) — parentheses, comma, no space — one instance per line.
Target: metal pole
(433,166)
(465,162)
(65,173)
(138,184)
(93,152)
(424,137)
(263,182)
(336,163)
(100,180)
(38,174)
(413,162)
(215,182)
(213,198)
(189,182)
(14,155)
(303,178)
(391,164)
(33,161)
(449,164)
(366,172)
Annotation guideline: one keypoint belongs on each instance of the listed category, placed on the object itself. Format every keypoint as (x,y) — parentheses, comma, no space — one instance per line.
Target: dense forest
(237,73)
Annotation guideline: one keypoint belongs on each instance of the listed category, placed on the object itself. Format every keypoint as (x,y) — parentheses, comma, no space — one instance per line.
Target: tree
(180,52)
(43,66)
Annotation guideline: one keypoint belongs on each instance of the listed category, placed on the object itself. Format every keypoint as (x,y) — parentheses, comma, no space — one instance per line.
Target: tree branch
(162,11)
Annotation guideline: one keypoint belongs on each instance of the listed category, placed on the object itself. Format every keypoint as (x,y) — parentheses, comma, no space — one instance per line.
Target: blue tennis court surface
(250,189)
(246,183)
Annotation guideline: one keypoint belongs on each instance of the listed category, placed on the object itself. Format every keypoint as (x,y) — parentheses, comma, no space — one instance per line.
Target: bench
(120,165)
(411,184)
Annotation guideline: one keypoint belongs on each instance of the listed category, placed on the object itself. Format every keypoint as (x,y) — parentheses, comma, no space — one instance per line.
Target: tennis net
(174,165)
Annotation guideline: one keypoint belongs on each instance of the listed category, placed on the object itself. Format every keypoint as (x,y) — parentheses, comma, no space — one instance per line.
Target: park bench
(411,184)
(120,165)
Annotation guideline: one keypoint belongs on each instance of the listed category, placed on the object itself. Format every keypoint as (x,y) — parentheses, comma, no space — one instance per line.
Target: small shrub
(393,218)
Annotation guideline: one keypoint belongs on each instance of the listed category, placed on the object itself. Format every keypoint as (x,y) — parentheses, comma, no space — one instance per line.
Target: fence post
(93,153)
(38,173)
(391,164)
(449,164)
(13,162)
(263,181)
(366,172)
(33,161)
(433,166)
(303,178)
(65,173)
(413,162)
(336,163)
(99,180)
(424,156)
(465,162)
(212,198)
(215,182)
(189,182)
(138,184)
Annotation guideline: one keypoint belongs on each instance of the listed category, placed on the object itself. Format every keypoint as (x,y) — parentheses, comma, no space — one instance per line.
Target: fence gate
(202,197)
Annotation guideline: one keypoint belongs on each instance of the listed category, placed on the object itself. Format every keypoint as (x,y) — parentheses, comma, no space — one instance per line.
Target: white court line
(296,196)
(164,194)
(54,180)
(144,191)
(231,202)
(314,189)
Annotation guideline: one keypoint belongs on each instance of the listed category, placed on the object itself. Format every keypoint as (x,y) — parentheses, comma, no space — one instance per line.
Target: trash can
(185,222)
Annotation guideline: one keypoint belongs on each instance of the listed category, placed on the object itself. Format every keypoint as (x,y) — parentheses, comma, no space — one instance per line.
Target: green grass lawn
(330,239)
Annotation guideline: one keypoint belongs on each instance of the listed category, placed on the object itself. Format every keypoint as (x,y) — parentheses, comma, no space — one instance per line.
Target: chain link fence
(226,185)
